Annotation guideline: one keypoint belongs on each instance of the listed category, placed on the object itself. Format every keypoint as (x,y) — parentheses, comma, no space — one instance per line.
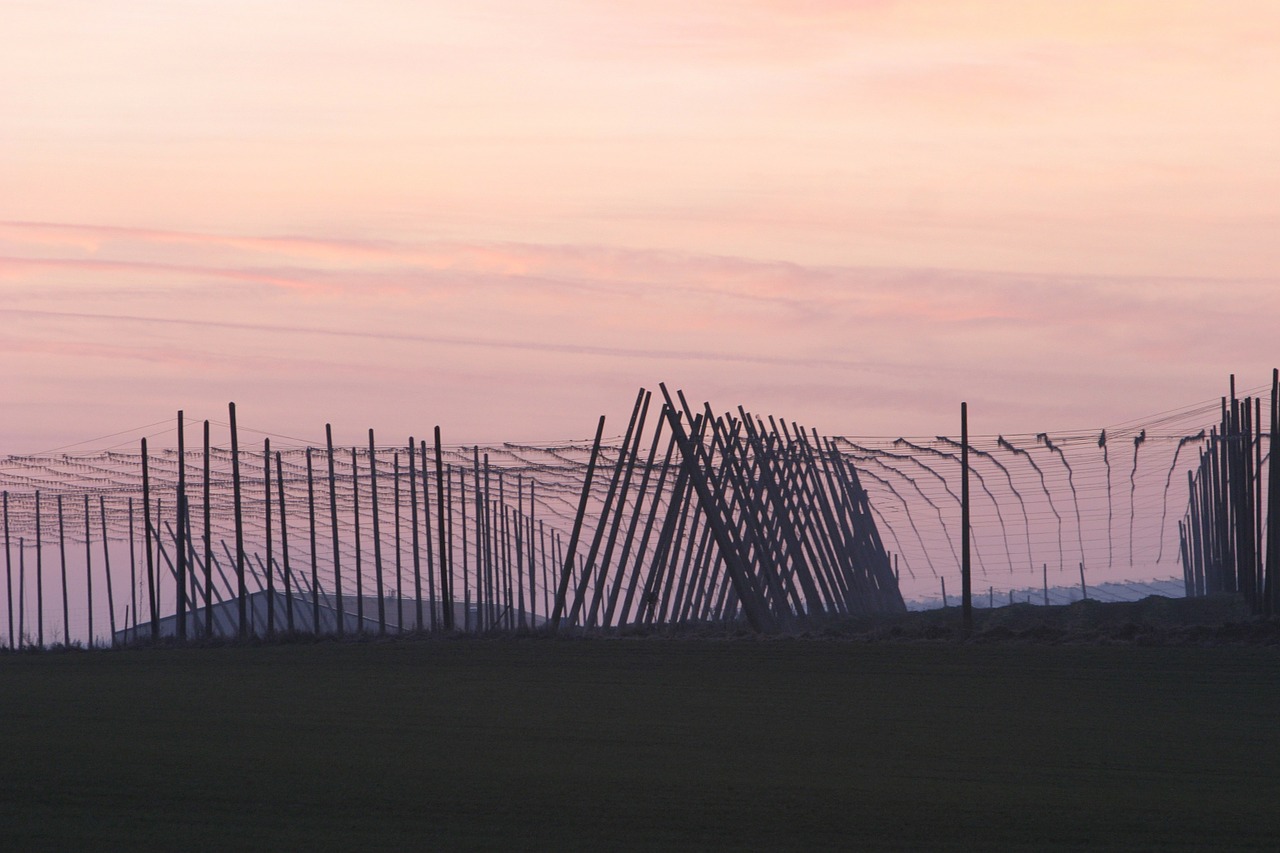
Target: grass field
(642,743)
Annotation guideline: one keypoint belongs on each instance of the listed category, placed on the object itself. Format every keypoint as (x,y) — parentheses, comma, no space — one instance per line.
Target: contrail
(1000,441)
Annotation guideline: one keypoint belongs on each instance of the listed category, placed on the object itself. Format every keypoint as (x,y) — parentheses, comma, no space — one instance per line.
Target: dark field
(642,743)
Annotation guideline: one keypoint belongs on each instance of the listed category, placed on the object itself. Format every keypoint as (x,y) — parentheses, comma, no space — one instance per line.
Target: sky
(504,217)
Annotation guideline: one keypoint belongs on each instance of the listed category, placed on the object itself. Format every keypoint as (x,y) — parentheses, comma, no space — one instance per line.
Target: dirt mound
(1154,620)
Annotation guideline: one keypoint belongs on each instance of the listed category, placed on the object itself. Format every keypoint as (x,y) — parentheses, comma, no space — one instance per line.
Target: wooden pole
(355,508)
(625,467)
(40,575)
(642,550)
(484,533)
(181,544)
(22,591)
(266,528)
(1046,583)
(1084,590)
(88,568)
(242,593)
(426,534)
(62,561)
(533,574)
(284,547)
(966,582)
(208,537)
(448,502)
(466,588)
(133,576)
(377,536)
(1271,580)
(728,540)
(565,575)
(517,535)
(546,571)
(153,607)
(395,459)
(106,565)
(333,523)
(414,542)
(159,542)
(446,589)
(311,533)
(8,570)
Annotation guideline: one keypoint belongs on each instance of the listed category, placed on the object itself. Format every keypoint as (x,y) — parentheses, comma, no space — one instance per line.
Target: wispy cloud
(860,349)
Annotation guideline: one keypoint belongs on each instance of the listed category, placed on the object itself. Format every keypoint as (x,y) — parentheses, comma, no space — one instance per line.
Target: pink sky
(503,217)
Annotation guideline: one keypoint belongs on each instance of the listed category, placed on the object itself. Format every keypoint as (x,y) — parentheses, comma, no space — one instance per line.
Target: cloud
(885,350)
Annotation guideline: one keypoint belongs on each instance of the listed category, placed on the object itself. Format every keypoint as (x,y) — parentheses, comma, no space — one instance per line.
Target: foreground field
(655,743)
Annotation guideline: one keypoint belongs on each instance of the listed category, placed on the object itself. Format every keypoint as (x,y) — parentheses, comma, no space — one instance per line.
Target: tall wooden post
(8,570)
(566,573)
(315,563)
(133,575)
(395,472)
(88,564)
(22,591)
(448,560)
(284,547)
(62,562)
(333,522)
(466,589)
(106,564)
(355,509)
(266,529)
(966,590)
(1271,583)
(426,533)
(242,593)
(208,537)
(377,535)
(40,575)
(153,607)
(533,577)
(181,544)
(415,542)
(446,590)
(485,609)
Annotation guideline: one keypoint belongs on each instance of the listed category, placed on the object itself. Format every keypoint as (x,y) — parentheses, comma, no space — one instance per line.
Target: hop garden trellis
(700,518)
(687,517)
